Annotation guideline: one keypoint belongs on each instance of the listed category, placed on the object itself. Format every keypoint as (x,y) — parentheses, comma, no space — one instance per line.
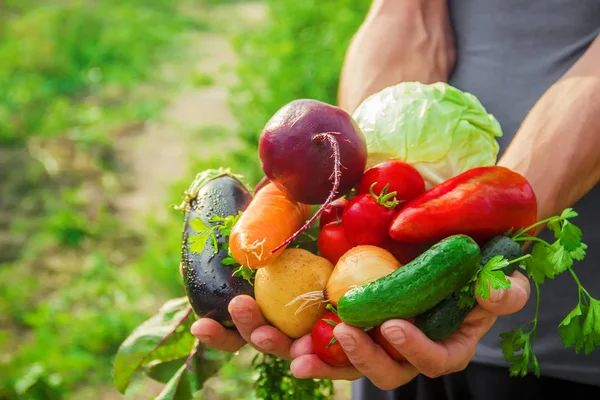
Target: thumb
(508,301)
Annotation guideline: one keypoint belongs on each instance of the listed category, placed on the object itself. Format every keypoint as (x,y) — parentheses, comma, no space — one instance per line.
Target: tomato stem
(384,198)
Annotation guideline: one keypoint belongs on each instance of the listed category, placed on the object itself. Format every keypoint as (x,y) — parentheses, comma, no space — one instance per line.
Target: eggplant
(209,284)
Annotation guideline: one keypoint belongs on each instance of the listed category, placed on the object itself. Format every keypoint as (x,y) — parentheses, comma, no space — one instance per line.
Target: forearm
(557,148)
(399,40)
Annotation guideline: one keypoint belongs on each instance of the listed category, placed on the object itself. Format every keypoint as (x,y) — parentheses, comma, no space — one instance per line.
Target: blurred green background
(108,109)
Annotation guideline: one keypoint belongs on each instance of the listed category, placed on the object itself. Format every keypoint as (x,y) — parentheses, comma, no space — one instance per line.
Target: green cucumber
(414,288)
(442,320)
(446,317)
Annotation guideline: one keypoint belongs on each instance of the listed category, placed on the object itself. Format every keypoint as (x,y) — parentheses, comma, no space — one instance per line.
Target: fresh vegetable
(211,207)
(333,212)
(367,217)
(332,242)
(414,288)
(324,344)
(482,203)
(442,320)
(378,338)
(271,217)
(402,178)
(500,257)
(277,285)
(437,128)
(314,152)
(504,246)
(358,266)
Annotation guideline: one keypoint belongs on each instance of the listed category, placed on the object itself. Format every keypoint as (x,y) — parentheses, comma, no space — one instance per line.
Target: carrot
(271,217)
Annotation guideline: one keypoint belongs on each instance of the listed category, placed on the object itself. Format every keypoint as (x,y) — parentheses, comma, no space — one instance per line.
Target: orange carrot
(270,218)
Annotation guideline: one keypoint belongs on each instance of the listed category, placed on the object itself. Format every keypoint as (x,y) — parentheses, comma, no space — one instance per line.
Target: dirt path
(161,153)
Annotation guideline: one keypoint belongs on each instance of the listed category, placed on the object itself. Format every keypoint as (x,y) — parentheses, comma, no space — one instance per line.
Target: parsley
(581,327)
(275,381)
(489,277)
(221,227)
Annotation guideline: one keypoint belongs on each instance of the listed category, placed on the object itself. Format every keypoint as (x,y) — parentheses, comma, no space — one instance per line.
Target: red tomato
(378,338)
(367,219)
(321,336)
(403,178)
(333,212)
(333,242)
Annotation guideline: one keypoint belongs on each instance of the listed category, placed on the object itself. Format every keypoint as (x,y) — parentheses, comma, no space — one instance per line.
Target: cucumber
(414,288)
(502,245)
(209,285)
(442,320)
(446,317)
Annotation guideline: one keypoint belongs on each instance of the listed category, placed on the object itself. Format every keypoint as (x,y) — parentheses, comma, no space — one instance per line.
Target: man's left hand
(423,356)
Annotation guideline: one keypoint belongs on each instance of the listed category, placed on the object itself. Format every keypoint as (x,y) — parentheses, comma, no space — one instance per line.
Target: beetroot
(314,151)
(298,161)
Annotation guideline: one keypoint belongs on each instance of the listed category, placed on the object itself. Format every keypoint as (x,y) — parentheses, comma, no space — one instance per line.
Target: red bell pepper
(482,202)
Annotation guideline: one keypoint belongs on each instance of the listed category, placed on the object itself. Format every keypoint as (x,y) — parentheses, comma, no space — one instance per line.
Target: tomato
(332,242)
(378,338)
(402,178)
(321,336)
(367,218)
(333,212)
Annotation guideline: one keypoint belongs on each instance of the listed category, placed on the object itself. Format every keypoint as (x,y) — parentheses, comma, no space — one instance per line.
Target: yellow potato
(293,273)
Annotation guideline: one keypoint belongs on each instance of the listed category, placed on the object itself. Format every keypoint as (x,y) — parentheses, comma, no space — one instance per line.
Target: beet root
(302,163)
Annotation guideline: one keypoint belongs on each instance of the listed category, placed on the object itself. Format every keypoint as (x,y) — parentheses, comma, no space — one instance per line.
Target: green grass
(77,280)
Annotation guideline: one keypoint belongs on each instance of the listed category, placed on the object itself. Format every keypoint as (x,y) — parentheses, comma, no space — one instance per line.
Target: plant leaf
(177,388)
(183,382)
(539,266)
(164,337)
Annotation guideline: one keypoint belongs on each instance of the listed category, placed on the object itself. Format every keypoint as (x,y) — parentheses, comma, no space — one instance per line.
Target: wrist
(406,9)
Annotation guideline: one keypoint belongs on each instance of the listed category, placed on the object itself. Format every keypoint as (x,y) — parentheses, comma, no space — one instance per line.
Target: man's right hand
(398,41)
(251,328)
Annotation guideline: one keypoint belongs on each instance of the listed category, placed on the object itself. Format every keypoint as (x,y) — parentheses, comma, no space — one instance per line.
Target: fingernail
(394,334)
(496,295)
(347,342)
(204,339)
(266,344)
(242,314)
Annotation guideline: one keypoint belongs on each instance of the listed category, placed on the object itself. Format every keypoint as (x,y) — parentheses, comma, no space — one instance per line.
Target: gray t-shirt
(509,53)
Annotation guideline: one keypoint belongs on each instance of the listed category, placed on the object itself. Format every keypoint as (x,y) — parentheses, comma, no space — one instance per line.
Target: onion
(359,265)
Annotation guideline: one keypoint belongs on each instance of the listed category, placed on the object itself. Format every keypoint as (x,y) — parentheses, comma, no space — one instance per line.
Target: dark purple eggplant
(209,284)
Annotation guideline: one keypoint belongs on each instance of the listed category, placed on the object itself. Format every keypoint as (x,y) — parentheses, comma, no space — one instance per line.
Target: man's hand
(251,328)
(423,356)
(398,41)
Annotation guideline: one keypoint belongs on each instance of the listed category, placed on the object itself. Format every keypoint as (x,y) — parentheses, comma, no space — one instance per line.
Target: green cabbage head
(439,129)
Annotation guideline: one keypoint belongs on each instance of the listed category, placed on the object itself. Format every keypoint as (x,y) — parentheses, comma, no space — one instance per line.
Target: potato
(295,272)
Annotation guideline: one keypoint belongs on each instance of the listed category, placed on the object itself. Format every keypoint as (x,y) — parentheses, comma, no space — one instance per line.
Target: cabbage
(439,129)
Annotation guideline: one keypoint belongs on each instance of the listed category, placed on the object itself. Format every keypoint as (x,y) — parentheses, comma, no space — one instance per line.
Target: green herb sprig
(580,328)
(222,227)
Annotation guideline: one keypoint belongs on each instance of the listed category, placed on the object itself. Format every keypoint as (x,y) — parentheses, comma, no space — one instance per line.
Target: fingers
(371,360)
(311,366)
(270,340)
(215,335)
(434,359)
(301,347)
(255,330)
(508,301)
